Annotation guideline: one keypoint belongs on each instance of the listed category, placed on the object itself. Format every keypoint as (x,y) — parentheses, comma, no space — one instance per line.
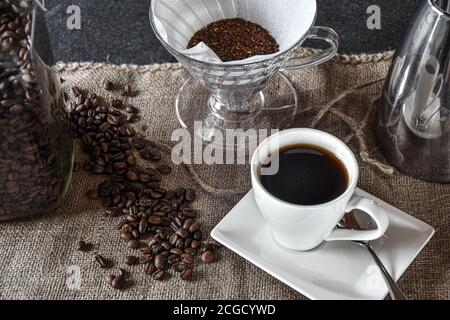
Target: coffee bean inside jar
(36,151)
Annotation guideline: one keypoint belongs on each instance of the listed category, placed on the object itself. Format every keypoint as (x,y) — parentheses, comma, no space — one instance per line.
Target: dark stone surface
(118,31)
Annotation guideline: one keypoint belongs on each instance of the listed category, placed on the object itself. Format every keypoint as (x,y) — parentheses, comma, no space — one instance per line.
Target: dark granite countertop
(118,31)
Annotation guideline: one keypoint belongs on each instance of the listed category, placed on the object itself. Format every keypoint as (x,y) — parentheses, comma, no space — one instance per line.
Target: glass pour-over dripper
(236,95)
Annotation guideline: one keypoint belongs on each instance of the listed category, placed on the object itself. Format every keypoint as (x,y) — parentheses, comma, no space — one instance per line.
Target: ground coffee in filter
(235,39)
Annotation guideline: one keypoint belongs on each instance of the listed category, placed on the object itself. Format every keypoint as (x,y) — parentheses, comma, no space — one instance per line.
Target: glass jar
(36,145)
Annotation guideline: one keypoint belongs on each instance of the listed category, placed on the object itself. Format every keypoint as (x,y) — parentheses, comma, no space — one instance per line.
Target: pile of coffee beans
(158,224)
(35,142)
(235,39)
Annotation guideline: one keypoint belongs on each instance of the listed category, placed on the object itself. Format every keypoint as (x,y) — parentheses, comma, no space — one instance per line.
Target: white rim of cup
(255,165)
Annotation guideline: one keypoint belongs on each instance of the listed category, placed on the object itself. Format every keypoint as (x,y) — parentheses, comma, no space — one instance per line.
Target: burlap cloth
(38,257)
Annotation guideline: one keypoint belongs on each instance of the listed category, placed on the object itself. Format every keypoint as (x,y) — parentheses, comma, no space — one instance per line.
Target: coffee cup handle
(373,209)
(317,33)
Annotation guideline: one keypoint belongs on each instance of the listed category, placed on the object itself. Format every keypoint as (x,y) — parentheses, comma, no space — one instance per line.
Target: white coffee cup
(303,228)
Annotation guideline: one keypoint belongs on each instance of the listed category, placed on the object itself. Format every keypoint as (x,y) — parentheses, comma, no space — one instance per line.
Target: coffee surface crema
(308,175)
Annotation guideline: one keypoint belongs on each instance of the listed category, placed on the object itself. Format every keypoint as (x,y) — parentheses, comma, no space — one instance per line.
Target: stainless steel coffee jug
(414,119)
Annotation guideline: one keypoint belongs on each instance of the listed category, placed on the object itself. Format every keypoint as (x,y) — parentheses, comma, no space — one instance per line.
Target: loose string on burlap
(355,126)
(200,181)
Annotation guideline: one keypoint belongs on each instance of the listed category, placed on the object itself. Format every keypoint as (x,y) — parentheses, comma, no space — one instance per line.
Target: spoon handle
(394,290)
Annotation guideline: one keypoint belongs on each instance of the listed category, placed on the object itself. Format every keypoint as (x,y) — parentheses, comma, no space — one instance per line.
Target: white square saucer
(334,271)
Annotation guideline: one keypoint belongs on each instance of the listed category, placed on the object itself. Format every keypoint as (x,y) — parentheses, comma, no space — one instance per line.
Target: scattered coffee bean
(102,261)
(179,267)
(198,236)
(215,243)
(110,279)
(149,268)
(133,244)
(109,86)
(165,170)
(159,261)
(208,257)
(135,234)
(143,224)
(83,246)
(118,104)
(145,258)
(92,194)
(195,244)
(194,227)
(131,109)
(187,258)
(183,233)
(176,251)
(131,260)
(123,272)
(76,91)
(132,176)
(159,275)
(155,220)
(189,195)
(173,258)
(189,213)
(206,247)
(188,223)
(118,282)
(190,250)
(186,274)
(133,118)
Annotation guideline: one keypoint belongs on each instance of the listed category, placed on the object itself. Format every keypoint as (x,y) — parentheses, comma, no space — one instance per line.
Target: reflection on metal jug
(414,120)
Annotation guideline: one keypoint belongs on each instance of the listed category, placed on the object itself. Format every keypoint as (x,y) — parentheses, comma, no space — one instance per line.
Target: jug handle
(317,33)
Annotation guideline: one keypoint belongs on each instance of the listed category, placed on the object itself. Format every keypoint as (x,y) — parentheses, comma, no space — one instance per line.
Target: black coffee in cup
(308,175)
